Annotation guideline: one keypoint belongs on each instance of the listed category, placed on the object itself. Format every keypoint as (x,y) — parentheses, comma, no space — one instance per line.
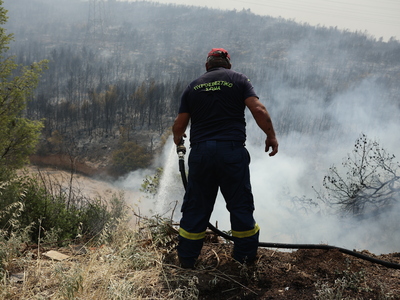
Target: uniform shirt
(215,102)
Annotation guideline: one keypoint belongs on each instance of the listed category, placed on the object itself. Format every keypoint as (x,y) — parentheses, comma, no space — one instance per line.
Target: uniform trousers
(215,165)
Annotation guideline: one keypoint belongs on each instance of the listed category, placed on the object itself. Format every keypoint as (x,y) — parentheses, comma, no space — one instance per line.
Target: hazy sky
(381,18)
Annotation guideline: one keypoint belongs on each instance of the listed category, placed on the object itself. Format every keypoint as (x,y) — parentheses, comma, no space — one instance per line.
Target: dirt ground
(301,274)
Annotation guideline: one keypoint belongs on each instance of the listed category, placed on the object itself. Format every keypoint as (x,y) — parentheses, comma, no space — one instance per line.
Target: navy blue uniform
(218,159)
(215,102)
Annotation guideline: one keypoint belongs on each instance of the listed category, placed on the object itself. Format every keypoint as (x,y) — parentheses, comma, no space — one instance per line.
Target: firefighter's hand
(179,139)
(180,147)
(273,144)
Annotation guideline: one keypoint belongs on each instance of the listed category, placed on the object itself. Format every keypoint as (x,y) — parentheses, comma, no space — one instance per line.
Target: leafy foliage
(151,183)
(371,182)
(18,135)
(46,208)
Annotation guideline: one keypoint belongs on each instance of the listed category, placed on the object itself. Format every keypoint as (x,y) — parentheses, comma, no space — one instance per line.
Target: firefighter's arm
(263,119)
(179,127)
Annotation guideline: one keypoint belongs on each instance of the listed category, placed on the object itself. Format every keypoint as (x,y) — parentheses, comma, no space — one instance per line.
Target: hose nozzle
(181,149)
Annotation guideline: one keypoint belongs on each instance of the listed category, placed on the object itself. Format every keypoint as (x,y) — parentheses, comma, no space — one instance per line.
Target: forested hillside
(117,69)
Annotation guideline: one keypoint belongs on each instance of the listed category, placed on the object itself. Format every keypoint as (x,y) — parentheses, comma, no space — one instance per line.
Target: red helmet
(219,52)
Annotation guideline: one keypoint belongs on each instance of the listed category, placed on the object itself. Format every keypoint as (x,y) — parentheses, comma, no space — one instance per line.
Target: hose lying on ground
(313,246)
(181,153)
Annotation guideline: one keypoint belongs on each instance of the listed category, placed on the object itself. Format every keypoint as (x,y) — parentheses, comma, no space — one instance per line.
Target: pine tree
(18,135)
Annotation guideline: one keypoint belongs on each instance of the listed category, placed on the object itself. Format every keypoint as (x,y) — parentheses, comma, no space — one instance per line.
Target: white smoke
(297,171)
(141,203)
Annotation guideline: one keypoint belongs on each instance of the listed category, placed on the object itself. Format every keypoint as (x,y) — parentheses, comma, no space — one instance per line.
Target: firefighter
(215,105)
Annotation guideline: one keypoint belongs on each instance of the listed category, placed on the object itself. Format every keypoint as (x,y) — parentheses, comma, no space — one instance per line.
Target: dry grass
(127,264)
(122,264)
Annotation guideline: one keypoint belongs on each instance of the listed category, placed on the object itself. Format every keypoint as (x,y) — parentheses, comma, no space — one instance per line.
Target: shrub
(54,210)
(371,182)
(129,157)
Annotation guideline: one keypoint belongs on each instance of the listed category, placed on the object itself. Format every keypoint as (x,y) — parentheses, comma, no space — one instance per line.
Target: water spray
(181,151)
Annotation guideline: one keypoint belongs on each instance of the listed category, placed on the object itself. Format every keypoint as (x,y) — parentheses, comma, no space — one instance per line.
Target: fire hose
(181,150)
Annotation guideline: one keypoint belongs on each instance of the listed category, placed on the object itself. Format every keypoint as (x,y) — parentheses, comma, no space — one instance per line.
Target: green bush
(129,157)
(151,183)
(52,211)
